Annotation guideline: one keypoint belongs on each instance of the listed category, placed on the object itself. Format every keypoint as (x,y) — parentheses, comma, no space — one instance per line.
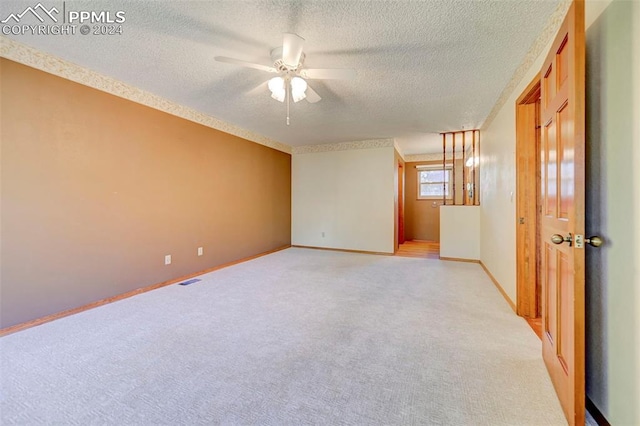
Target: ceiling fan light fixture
(278,96)
(276,86)
(289,63)
(297,96)
(298,89)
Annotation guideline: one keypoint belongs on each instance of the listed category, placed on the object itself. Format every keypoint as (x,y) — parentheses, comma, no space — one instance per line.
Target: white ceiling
(423,66)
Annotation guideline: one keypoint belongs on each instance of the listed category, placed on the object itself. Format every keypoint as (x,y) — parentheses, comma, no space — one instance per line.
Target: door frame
(400,203)
(527,189)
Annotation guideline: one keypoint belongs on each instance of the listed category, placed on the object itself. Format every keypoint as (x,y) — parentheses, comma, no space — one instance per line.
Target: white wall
(613,205)
(635,326)
(497,189)
(348,195)
(613,209)
(635,308)
(460,232)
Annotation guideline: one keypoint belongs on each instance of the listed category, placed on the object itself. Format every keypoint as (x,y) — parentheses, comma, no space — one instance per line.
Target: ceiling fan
(288,63)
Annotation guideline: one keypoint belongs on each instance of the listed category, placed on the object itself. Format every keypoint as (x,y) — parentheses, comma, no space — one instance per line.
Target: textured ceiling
(423,66)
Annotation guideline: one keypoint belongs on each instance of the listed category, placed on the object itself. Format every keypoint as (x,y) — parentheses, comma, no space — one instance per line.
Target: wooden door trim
(527,189)
(401,177)
(531,93)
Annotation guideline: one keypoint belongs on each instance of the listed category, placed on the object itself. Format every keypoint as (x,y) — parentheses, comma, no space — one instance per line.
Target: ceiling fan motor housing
(291,76)
(278,63)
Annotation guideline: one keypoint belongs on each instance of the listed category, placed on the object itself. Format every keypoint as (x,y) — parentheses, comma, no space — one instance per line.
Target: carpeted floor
(297,337)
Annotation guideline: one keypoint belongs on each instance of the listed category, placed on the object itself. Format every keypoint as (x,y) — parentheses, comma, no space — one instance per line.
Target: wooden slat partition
(444,166)
(474,169)
(465,190)
(453,165)
(467,173)
(477,179)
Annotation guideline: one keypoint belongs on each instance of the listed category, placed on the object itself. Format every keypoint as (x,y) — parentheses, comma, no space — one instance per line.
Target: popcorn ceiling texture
(536,49)
(26,55)
(423,67)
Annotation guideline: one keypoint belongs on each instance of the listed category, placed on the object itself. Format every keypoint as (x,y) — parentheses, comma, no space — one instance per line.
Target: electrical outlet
(322,234)
(167,259)
(200,251)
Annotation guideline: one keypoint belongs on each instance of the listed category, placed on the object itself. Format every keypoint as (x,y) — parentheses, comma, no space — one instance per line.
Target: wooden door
(400,203)
(562,202)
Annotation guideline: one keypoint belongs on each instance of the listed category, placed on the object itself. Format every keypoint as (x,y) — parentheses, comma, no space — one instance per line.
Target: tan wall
(422,217)
(421,220)
(96,190)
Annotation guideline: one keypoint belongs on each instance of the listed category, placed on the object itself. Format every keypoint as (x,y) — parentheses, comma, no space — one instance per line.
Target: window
(433,183)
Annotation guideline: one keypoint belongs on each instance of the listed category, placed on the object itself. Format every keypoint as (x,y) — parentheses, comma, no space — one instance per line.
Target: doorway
(528,135)
(421,217)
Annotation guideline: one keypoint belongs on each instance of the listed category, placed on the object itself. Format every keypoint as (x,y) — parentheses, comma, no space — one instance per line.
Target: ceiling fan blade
(261,88)
(328,74)
(312,96)
(245,64)
(292,49)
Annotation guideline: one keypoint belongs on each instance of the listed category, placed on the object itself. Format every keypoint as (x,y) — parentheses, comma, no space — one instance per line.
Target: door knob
(559,239)
(595,241)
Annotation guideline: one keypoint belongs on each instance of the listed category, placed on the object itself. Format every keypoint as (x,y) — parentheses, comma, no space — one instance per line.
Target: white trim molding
(34,58)
(344,146)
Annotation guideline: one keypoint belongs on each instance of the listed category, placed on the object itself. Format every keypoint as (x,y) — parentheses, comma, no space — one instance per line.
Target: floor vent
(195,280)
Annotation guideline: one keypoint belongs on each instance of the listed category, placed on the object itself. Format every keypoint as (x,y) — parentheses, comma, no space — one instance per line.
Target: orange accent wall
(96,190)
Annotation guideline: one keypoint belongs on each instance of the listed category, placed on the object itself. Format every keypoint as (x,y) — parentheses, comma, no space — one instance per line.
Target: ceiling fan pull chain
(287,86)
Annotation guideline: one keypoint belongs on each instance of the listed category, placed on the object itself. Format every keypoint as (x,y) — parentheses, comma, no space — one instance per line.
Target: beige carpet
(297,337)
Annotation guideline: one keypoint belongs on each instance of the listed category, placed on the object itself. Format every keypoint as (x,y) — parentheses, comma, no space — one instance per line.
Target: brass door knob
(559,239)
(595,241)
